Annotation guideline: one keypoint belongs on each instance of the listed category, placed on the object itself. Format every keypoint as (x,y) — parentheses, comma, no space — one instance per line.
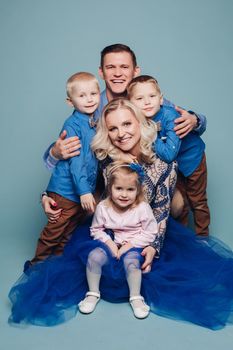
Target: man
(118,67)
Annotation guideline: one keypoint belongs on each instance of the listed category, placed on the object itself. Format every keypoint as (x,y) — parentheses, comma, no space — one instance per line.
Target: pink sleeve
(98,224)
(149,224)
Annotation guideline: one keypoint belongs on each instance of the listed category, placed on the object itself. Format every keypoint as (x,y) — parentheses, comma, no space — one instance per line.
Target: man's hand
(66,148)
(148,253)
(113,247)
(185,123)
(123,249)
(48,205)
(88,202)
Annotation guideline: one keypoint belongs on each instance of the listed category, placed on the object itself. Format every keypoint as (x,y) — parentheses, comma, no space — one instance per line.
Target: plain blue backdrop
(187,45)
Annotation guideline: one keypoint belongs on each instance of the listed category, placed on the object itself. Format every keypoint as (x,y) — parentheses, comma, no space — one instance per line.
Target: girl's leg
(96,260)
(134,279)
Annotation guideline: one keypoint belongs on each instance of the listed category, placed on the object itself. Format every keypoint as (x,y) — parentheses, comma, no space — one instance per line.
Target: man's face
(118,70)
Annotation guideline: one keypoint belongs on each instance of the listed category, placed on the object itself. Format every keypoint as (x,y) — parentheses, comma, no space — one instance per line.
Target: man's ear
(69,102)
(137,71)
(101,73)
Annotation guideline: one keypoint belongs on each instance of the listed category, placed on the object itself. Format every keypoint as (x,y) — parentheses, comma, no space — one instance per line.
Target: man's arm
(188,121)
(63,148)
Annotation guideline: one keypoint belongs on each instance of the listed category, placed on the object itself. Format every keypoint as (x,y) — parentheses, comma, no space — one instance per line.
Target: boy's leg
(183,218)
(197,196)
(52,233)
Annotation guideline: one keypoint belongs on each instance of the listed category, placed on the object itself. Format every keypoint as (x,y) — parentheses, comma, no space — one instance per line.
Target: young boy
(189,152)
(73,181)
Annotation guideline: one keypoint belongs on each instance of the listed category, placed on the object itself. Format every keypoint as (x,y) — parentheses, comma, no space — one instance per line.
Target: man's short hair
(117,48)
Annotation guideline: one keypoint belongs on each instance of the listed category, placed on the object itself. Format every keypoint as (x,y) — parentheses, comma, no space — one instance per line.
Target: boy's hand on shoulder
(185,123)
(88,202)
(65,148)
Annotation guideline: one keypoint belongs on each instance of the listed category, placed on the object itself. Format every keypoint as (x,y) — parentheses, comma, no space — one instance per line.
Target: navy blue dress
(190,281)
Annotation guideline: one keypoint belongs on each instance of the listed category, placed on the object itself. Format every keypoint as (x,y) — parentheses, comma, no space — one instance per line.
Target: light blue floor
(111,326)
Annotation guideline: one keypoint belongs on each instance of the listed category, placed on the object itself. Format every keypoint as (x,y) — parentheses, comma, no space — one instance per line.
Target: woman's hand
(48,205)
(123,249)
(88,202)
(66,148)
(113,247)
(149,254)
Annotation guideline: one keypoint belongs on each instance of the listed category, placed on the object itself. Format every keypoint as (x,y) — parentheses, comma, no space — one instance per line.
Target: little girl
(134,227)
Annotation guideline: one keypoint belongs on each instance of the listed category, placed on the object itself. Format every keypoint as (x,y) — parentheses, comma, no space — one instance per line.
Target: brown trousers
(193,190)
(54,236)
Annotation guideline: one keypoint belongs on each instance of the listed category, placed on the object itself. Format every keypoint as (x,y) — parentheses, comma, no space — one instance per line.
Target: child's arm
(124,248)
(98,225)
(168,146)
(79,172)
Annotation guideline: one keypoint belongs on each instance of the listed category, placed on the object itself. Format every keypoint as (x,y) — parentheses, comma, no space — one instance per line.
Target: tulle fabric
(191,281)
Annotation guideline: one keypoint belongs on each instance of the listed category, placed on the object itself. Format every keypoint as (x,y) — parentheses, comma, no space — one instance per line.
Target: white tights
(98,258)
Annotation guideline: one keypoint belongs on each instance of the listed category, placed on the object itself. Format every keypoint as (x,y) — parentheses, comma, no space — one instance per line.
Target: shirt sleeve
(98,224)
(149,225)
(202,119)
(167,149)
(162,201)
(50,162)
(77,164)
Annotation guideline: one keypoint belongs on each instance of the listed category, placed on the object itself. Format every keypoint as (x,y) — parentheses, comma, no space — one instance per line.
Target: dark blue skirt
(192,281)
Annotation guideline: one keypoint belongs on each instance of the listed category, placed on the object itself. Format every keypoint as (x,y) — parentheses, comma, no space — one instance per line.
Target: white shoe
(87,305)
(142,310)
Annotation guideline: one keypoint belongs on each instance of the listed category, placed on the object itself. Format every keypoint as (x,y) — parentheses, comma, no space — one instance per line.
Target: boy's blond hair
(140,80)
(79,77)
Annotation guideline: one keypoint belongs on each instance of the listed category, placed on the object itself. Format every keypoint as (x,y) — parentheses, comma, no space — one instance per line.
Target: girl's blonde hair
(102,145)
(114,170)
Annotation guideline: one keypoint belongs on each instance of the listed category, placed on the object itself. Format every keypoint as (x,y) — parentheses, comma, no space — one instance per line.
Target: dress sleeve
(98,224)
(162,200)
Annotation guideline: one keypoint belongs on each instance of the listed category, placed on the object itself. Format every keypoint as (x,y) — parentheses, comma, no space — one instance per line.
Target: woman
(191,280)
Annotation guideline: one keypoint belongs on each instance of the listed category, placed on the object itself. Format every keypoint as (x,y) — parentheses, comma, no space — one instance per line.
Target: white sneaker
(140,308)
(88,305)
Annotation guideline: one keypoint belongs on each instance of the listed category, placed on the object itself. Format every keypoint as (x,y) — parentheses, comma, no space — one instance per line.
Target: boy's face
(117,71)
(147,98)
(85,97)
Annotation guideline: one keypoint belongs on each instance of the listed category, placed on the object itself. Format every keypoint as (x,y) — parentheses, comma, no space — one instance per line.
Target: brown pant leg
(181,186)
(54,236)
(193,188)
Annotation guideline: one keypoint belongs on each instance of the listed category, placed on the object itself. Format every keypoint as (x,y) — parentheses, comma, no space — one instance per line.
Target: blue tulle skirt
(192,281)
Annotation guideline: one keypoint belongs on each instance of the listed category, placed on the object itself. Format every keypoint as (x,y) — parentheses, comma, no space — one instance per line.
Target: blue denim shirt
(76,176)
(168,146)
(50,162)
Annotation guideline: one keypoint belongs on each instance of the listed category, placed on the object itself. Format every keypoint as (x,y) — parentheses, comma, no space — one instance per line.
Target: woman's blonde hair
(102,145)
(114,170)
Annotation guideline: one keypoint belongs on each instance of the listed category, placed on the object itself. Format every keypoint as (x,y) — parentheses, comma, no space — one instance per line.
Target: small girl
(134,227)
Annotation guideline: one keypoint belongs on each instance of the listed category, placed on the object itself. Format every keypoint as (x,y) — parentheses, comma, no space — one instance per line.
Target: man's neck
(111,96)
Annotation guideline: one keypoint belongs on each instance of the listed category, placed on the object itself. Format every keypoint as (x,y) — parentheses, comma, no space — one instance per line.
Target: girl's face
(124,130)
(147,98)
(124,191)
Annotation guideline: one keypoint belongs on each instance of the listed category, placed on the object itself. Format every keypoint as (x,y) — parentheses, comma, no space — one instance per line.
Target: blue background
(187,45)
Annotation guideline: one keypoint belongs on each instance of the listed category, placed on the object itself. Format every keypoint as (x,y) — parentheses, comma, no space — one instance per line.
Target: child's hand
(50,210)
(123,249)
(88,202)
(113,247)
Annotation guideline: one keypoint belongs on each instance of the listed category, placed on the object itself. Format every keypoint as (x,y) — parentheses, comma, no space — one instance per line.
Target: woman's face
(124,130)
